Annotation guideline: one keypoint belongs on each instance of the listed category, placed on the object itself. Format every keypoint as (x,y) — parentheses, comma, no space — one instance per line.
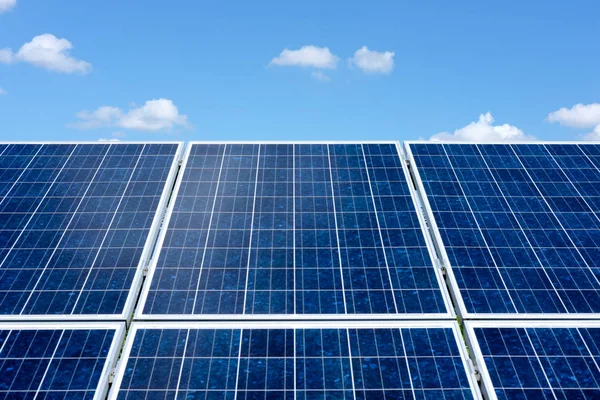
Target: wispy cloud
(6,5)
(374,62)
(154,115)
(320,76)
(2,91)
(307,56)
(483,130)
(48,52)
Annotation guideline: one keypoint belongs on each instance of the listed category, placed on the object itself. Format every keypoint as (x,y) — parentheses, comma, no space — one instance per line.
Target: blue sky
(208,69)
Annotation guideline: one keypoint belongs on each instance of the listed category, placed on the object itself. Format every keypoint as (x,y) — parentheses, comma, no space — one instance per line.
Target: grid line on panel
(208,229)
(21,174)
(63,233)
(37,392)
(36,209)
(387,266)
(108,229)
(553,213)
(479,228)
(337,234)
(251,231)
(521,228)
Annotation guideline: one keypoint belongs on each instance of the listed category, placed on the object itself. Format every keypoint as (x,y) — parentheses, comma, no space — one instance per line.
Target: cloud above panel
(306,56)
(579,116)
(373,62)
(483,130)
(2,91)
(6,5)
(154,115)
(48,52)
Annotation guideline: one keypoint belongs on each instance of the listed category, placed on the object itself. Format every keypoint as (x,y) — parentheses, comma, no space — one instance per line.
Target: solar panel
(293,229)
(537,359)
(518,224)
(76,222)
(301,361)
(57,361)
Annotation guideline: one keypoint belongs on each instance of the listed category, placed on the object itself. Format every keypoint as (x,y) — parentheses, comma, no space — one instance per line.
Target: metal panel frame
(134,289)
(487,386)
(111,357)
(137,325)
(139,312)
(450,278)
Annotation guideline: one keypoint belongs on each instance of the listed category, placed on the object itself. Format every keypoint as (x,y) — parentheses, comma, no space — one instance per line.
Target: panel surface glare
(53,363)
(74,220)
(420,363)
(520,223)
(293,229)
(540,362)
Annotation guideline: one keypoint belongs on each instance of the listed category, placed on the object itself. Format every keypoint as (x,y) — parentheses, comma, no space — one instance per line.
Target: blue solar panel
(542,360)
(57,362)
(183,361)
(74,222)
(293,229)
(519,224)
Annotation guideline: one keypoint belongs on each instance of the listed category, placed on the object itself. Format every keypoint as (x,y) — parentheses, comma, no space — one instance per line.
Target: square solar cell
(293,230)
(518,225)
(58,361)
(537,359)
(277,361)
(77,224)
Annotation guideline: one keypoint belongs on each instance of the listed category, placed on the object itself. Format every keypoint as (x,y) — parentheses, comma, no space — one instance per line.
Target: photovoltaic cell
(519,223)
(74,221)
(293,229)
(49,362)
(171,361)
(538,361)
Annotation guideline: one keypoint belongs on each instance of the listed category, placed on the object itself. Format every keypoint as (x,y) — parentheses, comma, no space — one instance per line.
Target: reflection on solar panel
(74,221)
(57,361)
(536,360)
(293,229)
(519,223)
(183,360)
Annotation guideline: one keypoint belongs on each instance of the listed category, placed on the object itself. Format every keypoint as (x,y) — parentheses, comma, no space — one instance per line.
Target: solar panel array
(74,223)
(294,229)
(518,230)
(179,360)
(57,362)
(308,236)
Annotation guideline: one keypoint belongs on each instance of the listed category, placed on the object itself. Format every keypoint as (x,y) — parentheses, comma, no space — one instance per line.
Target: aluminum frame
(141,316)
(134,289)
(111,357)
(487,386)
(139,325)
(455,291)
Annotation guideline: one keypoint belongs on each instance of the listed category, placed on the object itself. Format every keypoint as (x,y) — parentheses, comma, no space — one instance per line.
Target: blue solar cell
(75,219)
(519,223)
(48,362)
(293,229)
(293,364)
(539,362)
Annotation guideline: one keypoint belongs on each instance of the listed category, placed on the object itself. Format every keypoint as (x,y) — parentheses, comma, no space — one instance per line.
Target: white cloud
(483,131)
(2,91)
(320,76)
(594,135)
(154,115)
(307,56)
(373,61)
(580,115)
(49,52)
(6,5)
